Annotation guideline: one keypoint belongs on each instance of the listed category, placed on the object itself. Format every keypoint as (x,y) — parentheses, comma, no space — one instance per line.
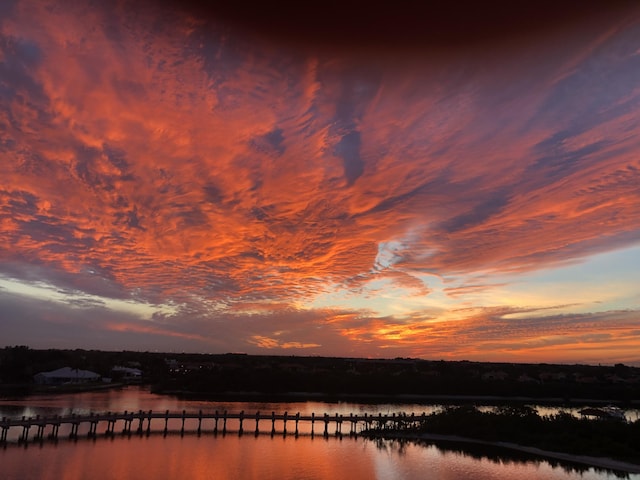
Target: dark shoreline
(293,397)
(22,391)
(27,390)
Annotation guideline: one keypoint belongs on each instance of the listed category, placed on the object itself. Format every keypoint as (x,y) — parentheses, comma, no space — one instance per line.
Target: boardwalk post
(92,424)
(326,425)
(149,422)
(338,425)
(284,425)
(184,412)
(257,421)
(25,430)
(125,418)
(224,422)
(166,422)
(41,427)
(111,423)
(273,423)
(54,429)
(5,429)
(37,425)
(199,421)
(313,419)
(74,427)
(215,428)
(297,420)
(241,418)
(140,420)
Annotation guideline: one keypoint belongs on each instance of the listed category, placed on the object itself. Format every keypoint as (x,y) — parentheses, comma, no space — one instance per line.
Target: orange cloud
(181,164)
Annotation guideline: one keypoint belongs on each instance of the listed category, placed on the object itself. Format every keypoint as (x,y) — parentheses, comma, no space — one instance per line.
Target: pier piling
(140,420)
(257,421)
(224,422)
(149,422)
(326,425)
(284,425)
(313,419)
(273,423)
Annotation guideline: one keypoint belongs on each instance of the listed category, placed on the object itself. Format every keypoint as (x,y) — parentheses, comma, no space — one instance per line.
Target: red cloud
(179,163)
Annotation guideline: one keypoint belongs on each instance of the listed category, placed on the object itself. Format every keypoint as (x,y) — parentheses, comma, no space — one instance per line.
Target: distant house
(65,375)
(495,375)
(126,373)
(524,378)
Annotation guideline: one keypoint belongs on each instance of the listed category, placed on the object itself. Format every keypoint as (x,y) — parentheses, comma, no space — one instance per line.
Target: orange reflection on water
(221,457)
(264,457)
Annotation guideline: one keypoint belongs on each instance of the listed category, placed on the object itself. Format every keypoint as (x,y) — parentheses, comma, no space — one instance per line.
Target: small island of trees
(523,426)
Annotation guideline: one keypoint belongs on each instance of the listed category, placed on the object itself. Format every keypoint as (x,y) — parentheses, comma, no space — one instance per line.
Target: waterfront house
(65,375)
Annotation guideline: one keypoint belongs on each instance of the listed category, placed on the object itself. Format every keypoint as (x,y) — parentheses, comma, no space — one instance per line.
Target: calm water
(246,457)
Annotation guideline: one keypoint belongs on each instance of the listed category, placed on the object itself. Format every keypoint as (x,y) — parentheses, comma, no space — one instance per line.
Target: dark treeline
(233,374)
(523,426)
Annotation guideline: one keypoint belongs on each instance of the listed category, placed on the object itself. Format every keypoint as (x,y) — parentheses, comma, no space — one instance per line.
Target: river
(250,456)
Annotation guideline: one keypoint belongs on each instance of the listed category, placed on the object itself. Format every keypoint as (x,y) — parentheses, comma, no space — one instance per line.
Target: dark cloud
(348,149)
(271,143)
(480,213)
(17,81)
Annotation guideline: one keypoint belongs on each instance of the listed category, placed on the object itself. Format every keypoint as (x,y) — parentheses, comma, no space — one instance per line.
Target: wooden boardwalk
(141,423)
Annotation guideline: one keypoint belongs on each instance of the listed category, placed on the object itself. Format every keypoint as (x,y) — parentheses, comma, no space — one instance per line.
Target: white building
(65,375)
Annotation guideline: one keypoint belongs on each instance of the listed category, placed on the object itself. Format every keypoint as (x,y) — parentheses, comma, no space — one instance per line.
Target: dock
(40,428)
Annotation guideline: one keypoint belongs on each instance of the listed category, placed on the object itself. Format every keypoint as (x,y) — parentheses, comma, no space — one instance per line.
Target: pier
(145,422)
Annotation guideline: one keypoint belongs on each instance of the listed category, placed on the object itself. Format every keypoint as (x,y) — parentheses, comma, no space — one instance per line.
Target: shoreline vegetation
(292,397)
(262,376)
(608,444)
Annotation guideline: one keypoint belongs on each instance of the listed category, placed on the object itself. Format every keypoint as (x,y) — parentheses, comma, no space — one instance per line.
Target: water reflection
(234,456)
(499,456)
(136,398)
(255,456)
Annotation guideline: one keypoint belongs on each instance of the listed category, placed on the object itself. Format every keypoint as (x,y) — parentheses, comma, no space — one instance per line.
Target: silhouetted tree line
(231,374)
(522,425)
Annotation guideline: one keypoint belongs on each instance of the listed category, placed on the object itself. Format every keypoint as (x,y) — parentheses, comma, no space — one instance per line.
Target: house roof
(68,372)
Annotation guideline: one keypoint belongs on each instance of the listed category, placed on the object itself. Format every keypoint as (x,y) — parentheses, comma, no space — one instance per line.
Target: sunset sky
(175,178)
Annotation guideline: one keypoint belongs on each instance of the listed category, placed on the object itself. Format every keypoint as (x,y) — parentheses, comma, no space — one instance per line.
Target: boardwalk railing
(141,423)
